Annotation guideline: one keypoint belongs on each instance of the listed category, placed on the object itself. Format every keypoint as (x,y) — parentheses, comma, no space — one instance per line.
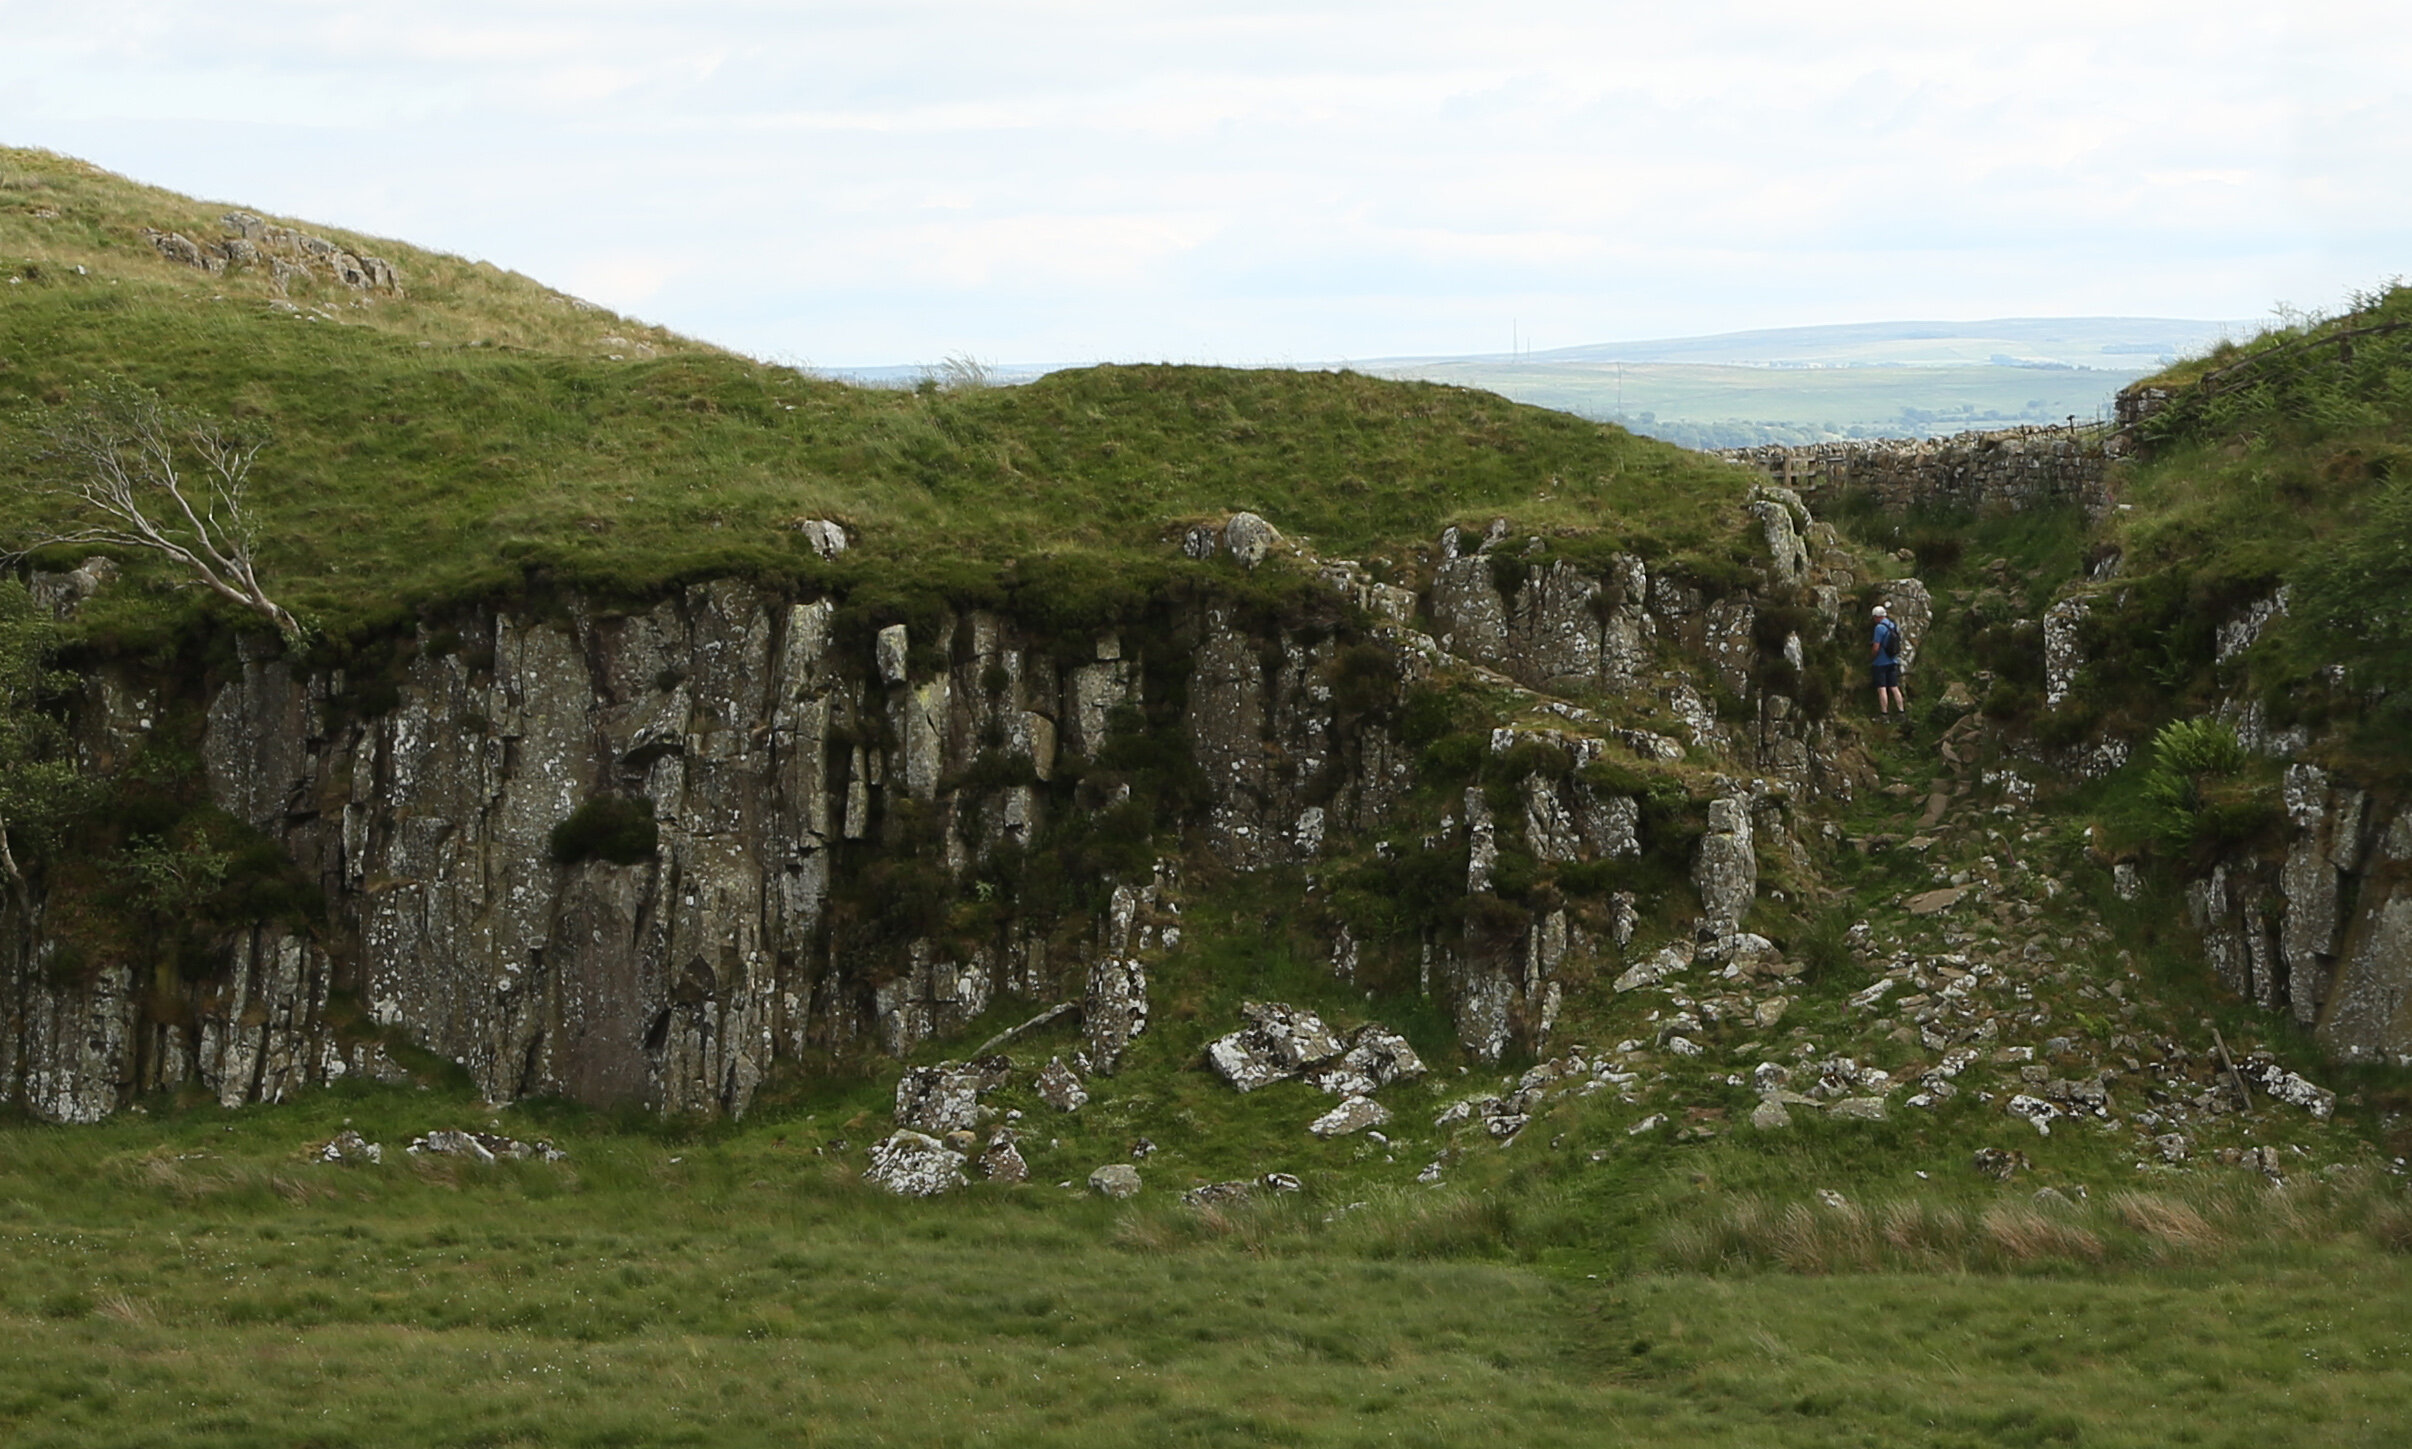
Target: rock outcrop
(818,789)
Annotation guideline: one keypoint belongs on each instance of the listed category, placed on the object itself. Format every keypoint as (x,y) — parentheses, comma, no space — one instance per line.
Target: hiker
(1886,652)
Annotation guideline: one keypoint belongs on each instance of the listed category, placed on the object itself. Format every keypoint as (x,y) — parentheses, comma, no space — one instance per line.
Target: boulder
(1725,870)
(915,1164)
(1279,1042)
(1001,1160)
(1376,1057)
(1114,1012)
(2036,1112)
(1117,1180)
(946,1098)
(1059,1086)
(823,537)
(1249,538)
(1671,961)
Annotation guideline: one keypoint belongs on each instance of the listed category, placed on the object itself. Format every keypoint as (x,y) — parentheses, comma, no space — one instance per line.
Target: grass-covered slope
(448,442)
(2286,461)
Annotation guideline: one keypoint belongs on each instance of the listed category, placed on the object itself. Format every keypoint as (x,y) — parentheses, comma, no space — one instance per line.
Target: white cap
(1879,612)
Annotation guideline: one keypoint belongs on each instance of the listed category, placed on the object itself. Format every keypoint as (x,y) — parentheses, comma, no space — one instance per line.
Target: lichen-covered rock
(2034,1111)
(915,1164)
(2064,651)
(1001,1160)
(1725,867)
(1114,1012)
(1667,962)
(824,538)
(1219,1194)
(1781,517)
(1279,1042)
(1059,1087)
(349,1146)
(483,1147)
(1354,1114)
(2285,1086)
(946,1098)
(1249,539)
(1376,1057)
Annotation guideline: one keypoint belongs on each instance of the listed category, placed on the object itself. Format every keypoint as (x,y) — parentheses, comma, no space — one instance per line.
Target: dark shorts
(1888,676)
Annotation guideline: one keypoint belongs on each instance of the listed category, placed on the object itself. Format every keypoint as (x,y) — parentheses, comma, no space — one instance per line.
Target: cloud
(1308,179)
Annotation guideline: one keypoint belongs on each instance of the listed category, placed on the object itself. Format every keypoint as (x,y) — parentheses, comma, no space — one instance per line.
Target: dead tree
(121,450)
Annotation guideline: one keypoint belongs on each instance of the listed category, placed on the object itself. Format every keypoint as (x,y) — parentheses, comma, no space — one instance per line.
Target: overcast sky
(852,184)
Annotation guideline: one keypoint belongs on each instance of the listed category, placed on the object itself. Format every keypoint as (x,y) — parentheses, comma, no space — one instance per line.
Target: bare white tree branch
(123,449)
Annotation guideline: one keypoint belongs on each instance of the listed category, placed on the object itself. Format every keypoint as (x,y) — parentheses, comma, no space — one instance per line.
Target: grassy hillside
(1640,1262)
(480,428)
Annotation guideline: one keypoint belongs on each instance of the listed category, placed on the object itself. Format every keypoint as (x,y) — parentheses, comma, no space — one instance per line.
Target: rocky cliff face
(2325,931)
(827,801)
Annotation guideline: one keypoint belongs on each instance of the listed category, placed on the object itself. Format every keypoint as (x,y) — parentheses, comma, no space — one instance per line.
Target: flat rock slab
(1931,902)
(1354,1114)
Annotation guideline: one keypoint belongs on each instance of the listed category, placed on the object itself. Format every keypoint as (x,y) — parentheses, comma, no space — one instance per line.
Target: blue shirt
(1888,642)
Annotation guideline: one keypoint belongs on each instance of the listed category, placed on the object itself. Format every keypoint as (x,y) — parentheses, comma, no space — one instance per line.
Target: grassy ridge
(447,443)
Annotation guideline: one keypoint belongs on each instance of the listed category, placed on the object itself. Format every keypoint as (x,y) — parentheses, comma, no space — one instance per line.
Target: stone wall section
(2017,469)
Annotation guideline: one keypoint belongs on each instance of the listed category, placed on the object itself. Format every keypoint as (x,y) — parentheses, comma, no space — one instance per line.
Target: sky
(861,184)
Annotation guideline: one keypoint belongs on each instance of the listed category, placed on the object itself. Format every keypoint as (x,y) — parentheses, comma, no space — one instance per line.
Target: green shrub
(2194,791)
(616,828)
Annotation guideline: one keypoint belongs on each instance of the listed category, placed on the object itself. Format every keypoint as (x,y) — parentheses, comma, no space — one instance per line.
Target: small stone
(1858,1109)
(1650,1123)
(1117,1180)
(2174,1147)
(1770,1115)
(1833,1199)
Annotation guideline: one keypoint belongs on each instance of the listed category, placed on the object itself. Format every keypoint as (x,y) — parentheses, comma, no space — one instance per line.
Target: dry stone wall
(2017,469)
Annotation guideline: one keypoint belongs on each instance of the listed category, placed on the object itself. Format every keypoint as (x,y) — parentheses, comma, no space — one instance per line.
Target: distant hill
(1855,380)
(1800,384)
